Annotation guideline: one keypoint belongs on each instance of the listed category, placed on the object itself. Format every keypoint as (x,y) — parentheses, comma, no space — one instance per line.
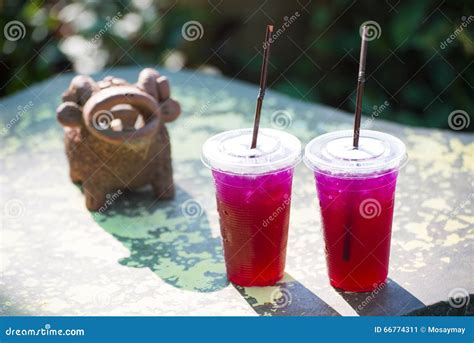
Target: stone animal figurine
(115,135)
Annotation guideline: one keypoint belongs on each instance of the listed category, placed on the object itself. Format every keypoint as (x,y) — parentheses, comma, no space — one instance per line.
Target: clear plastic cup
(356,190)
(253,192)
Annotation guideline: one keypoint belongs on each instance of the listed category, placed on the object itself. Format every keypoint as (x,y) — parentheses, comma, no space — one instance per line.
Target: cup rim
(352,169)
(240,165)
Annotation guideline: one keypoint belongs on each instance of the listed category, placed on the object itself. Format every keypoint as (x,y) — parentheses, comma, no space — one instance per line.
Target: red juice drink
(253,193)
(254,215)
(356,191)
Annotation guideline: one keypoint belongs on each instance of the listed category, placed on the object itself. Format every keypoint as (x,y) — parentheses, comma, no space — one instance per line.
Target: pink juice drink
(356,191)
(253,193)
(254,215)
(357,219)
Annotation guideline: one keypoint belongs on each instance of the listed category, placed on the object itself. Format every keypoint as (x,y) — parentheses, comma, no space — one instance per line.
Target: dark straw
(263,86)
(360,87)
(346,250)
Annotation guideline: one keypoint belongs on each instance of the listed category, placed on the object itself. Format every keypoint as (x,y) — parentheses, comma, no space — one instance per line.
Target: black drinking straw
(263,86)
(346,250)
(360,87)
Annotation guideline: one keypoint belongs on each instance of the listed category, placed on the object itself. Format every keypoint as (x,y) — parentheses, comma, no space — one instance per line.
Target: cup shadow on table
(462,306)
(389,299)
(172,238)
(288,297)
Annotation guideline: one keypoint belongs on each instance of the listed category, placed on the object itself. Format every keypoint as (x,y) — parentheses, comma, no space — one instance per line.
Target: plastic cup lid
(334,153)
(230,151)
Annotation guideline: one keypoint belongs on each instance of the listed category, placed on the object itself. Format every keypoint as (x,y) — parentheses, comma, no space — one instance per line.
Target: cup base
(358,289)
(255,282)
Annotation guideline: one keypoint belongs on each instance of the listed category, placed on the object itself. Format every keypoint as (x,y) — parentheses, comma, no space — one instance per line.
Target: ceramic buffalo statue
(115,135)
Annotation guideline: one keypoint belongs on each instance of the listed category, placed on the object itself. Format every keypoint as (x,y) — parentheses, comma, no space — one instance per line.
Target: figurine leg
(95,198)
(162,183)
(75,178)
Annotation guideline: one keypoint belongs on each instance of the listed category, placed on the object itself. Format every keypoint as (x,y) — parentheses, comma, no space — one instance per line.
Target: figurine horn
(69,114)
(147,82)
(80,89)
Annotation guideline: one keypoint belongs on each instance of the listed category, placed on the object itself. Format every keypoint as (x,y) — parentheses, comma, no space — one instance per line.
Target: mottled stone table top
(160,258)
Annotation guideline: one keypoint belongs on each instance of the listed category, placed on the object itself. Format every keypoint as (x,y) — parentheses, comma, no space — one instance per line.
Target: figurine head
(118,112)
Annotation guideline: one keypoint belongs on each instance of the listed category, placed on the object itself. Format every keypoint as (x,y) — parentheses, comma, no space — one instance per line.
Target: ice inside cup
(253,193)
(356,191)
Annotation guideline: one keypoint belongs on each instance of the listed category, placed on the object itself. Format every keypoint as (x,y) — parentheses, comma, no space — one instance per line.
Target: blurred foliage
(411,65)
